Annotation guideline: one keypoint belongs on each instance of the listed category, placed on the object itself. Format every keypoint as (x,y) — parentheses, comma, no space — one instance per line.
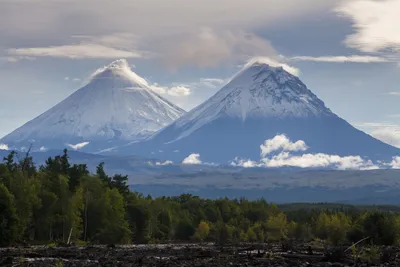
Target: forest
(60,202)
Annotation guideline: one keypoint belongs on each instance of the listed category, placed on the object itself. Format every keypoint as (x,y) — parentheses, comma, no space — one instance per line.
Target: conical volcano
(115,107)
(259,103)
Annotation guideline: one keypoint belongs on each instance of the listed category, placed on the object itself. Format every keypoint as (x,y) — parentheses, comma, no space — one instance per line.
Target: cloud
(386,132)
(395,164)
(123,65)
(394,93)
(273,63)
(175,91)
(57,19)
(210,47)
(179,91)
(79,51)
(192,159)
(284,158)
(3,147)
(42,149)
(342,59)
(212,82)
(78,146)
(165,163)
(281,142)
(375,24)
(120,45)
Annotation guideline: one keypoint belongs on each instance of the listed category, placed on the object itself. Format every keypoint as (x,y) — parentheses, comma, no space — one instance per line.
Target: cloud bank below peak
(277,153)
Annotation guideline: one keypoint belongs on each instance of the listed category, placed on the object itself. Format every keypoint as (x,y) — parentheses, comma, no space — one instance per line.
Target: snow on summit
(260,102)
(115,105)
(258,90)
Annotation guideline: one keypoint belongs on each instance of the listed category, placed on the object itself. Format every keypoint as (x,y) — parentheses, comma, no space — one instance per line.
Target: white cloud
(120,45)
(3,147)
(78,146)
(386,132)
(395,164)
(175,91)
(281,142)
(285,158)
(75,51)
(66,78)
(394,93)
(192,159)
(342,59)
(42,148)
(273,63)
(375,24)
(179,91)
(165,163)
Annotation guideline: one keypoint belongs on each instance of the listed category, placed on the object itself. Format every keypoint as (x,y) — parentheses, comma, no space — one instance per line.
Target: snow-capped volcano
(259,103)
(116,105)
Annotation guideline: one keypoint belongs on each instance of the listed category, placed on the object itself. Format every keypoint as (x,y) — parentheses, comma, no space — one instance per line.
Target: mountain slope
(116,106)
(257,104)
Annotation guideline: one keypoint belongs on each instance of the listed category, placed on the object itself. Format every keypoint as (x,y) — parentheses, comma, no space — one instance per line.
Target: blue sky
(347,52)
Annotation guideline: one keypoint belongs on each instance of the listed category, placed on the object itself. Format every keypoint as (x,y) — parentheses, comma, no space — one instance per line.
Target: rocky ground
(194,256)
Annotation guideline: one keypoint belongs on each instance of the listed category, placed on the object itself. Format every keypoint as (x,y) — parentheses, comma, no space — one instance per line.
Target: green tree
(8,217)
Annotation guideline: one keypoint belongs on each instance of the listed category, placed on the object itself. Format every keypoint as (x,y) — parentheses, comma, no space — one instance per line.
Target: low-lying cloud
(78,146)
(281,142)
(192,159)
(283,145)
(395,164)
(165,163)
(3,147)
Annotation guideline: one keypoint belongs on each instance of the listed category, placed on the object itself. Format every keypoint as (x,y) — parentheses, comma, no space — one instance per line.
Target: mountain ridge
(115,105)
(259,103)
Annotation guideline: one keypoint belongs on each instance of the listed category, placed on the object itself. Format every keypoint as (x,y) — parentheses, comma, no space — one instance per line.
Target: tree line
(64,202)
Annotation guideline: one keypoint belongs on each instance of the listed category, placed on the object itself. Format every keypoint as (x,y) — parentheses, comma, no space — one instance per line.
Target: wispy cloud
(273,63)
(109,46)
(78,146)
(394,93)
(179,91)
(342,59)
(165,163)
(210,47)
(175,91)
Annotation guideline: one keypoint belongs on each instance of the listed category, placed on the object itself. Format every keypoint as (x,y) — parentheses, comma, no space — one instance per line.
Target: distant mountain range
(258,103)
(118,116)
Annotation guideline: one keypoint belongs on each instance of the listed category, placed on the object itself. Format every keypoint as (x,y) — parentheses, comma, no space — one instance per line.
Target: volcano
(260,102)
(117,106)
